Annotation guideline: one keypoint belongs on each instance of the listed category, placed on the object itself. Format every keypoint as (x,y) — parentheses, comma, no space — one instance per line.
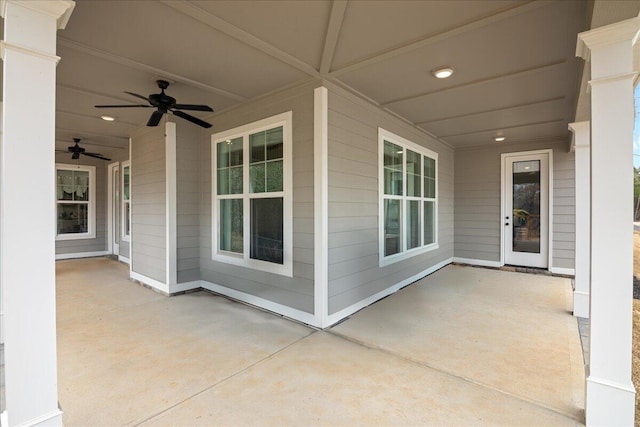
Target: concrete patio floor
(464,346)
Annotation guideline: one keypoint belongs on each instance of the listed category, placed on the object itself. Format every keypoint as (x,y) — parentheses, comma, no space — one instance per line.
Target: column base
(53,419)
(581,304)
(609,404)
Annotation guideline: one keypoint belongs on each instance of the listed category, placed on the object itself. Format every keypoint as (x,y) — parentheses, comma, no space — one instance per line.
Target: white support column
(610,396)
(27,204)
(582,149)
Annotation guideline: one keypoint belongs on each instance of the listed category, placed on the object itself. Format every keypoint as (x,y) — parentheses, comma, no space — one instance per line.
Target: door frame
(112,246)
(503,201)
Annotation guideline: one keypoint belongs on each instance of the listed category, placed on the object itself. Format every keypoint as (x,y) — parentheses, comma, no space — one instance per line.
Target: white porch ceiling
(516,71)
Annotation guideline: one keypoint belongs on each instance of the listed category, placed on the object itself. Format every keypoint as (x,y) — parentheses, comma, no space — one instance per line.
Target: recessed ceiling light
(442,72)
(499,138)
(107,118)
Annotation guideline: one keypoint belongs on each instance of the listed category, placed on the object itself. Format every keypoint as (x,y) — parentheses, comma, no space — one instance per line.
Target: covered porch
(462,346)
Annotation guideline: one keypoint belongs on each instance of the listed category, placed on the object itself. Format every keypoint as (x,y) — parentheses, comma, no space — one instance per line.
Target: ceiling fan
(76,150)
(165,104)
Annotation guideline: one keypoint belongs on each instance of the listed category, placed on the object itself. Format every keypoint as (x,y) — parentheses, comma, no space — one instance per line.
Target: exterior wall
(99,243)
(297,291)
(478,202)
(354,272)
(188,139)
(148,207)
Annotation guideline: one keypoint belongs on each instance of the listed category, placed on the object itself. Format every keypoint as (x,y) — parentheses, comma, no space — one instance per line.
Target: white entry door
(526,209)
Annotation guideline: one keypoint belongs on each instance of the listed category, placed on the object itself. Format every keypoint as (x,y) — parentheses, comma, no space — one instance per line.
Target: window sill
(285,269)
(392,259)
(75,236)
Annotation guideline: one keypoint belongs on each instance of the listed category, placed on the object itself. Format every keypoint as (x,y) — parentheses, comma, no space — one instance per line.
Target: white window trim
(244,260)
(123,226)
(385,135)
(91,233)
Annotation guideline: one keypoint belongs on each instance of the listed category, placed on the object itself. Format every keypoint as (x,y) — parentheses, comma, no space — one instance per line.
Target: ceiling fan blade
(192,119)
(75,156)
(155,118)
(61,151)
(122,106)
(97,156)
(193,107)
(137,96)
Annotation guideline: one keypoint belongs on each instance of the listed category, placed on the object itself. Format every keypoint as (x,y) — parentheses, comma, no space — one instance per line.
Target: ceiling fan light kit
(165,104)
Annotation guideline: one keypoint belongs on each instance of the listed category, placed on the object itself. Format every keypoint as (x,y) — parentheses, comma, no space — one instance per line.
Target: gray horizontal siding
(478,202)
(148,207)
(354,272)
(296,291)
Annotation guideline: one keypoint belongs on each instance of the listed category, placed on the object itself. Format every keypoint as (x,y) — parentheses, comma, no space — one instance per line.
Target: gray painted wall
(148,209)
(188,138)
(477,201)
(354,272)
(296,291)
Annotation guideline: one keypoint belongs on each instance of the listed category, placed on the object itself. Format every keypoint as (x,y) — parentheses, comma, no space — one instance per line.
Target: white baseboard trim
(338,316)
(299,315)
(153,283)
(563,271)
(124,259)
(186,286)
(82,255)
(480,262)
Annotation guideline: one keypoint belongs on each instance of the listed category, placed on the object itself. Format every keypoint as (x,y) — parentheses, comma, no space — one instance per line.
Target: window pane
(73,218)
(413,224)
(126,173)
(257,147)
(429,177)
(223,181)
(391,227)
(392,169)
(65,185)
(127,218)
(257,178)
(81,180)
(413,174)
(267,238)
(429,223)
(430,188)
(274,176)
(231,225)
(235,180)
(274,143)
(229,153)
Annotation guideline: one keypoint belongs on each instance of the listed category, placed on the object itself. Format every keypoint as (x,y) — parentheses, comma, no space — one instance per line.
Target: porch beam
(27,205)
(581,146)
(610,398)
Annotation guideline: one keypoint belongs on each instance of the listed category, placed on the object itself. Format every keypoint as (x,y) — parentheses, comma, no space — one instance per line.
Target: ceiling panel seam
(64,141)
(434,38)
(147,68)
(495,110)
(217,23)
(338,9)
(503,128)
(514,74)
(92,92)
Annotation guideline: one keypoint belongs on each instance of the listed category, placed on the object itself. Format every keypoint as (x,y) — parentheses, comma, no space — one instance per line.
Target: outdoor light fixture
(107,118)
(499,138)
(442,72)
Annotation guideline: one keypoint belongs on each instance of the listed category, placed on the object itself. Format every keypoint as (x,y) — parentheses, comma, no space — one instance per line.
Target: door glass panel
(526,206)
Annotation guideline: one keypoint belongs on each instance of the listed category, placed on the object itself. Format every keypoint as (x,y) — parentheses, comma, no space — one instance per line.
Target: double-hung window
(408,202)
(126,201)
(75,202)
(251,204)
